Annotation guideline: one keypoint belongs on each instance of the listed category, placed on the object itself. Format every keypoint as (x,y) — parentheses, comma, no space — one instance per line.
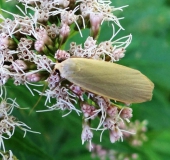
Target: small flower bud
(35,77)
(64,3)
(3,78)
(42,15)
(42,35)
(118,53)
(108,123)
(53,31)
(89,43)
(39,45)
(53,80)
(126,113)
(19,65)
(88,111)
(112,111)
(64,31)
(95,21)
(87,134)
(77,90)
(61,55)
(4,41)
(115,134)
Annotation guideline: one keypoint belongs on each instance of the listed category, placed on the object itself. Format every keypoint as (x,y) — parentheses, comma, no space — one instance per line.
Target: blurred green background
(149,52)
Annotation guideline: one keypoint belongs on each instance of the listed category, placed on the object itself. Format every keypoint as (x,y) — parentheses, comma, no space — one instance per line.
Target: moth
(107,79)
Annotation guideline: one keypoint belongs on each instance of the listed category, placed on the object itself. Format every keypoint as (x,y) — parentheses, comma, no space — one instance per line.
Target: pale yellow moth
(107,79)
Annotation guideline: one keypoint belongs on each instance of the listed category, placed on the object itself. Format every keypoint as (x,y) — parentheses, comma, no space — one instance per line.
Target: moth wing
(108,79)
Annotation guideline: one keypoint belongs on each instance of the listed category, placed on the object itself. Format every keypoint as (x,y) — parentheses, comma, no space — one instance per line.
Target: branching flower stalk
(32,42)
(8,123)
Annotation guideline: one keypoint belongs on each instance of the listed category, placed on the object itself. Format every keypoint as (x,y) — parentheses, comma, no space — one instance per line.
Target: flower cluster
(31,44)
(103,154)
(140,128)
(8,122)
(135,140)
